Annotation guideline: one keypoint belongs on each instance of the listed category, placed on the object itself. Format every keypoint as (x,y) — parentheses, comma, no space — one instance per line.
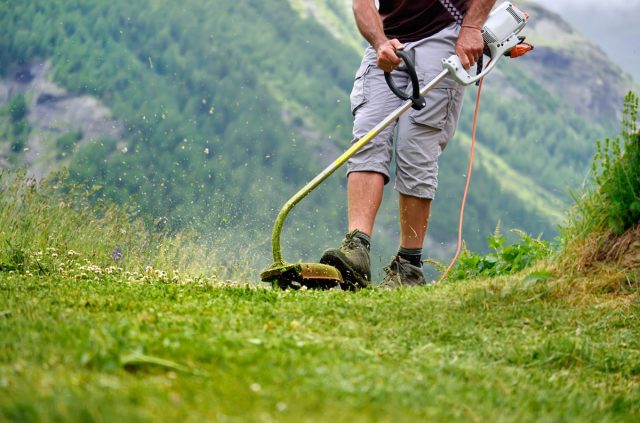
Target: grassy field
(103,319)
(96,343)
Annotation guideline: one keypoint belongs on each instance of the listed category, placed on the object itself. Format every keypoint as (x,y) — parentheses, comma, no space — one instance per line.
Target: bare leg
(414,220)
(364,192)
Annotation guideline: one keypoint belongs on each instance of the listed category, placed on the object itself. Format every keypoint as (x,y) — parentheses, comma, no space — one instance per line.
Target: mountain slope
(569,65)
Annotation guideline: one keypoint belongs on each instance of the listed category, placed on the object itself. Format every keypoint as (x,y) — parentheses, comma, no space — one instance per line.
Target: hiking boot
(401,273)
(352,260)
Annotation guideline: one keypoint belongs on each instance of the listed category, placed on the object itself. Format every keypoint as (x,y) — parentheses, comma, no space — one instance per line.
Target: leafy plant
(616,167)
(504,260)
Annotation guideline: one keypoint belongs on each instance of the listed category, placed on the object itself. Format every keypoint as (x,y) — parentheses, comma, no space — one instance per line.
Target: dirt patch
(625,249)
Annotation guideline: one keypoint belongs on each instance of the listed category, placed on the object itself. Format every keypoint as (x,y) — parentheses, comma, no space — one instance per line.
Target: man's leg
(414,221)
(368,170)
(406,268)
(364,195)
(422,135)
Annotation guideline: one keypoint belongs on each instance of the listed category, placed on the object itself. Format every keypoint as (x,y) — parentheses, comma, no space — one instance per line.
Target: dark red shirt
(413,20)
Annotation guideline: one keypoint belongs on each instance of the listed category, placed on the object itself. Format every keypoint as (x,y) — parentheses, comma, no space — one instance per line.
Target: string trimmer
(500,34)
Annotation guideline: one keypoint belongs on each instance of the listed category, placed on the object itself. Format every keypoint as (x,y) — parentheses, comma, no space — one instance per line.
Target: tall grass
(603,227)
(48,224)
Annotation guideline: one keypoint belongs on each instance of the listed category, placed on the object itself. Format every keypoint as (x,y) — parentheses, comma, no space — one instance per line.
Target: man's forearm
(370,25)
(369,22)
(477,13)
(470,44)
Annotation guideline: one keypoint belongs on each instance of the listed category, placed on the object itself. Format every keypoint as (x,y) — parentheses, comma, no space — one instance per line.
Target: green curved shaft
(298,196)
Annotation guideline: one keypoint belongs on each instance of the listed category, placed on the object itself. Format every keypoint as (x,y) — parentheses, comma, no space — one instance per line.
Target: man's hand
(387,58)
(469,46)
(370,25)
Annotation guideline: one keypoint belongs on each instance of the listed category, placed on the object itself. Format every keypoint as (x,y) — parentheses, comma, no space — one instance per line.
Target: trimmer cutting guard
(297,275)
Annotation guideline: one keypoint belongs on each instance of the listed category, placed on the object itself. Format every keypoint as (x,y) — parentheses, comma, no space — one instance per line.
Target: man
(428,30)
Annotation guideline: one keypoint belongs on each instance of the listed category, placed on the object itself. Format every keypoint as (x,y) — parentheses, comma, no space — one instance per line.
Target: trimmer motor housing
(500,34)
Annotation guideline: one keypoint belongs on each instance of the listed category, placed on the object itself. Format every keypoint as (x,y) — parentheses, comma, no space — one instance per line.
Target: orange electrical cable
(466,187)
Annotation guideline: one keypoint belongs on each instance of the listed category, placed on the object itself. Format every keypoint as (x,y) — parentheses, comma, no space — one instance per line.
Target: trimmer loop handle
(418,101)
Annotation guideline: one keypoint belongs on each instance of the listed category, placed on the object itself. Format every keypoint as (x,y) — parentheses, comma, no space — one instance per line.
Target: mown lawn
(102,348)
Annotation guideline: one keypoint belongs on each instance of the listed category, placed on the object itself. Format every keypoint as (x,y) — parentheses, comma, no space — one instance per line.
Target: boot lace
(393,272)
(351,242)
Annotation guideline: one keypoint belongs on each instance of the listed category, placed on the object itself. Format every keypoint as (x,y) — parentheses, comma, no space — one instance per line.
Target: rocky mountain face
(51,113)
(573,68)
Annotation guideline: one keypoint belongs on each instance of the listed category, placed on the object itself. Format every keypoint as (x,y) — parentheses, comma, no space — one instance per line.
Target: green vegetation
(53,228)
(503,260)
(14,128)
(132,312)
(104,319)
(203,97)
(230,107)
(604,226)
(17,108)
(118,350)
(66,143)
(618,173)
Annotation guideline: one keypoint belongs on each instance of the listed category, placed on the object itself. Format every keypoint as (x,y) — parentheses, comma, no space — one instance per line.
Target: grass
(105,318)
(47,222)
(114,346)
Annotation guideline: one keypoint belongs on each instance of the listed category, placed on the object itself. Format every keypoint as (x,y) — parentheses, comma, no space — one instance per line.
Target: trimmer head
(297,275)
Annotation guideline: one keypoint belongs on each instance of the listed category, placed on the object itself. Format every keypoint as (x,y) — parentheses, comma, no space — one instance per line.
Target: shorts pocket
(359,93)
(435,114)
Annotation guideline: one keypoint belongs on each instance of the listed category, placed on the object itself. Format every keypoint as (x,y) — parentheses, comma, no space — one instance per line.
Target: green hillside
(229,107)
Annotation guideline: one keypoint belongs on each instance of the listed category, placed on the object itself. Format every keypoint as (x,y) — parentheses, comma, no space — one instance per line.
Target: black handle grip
(418,101)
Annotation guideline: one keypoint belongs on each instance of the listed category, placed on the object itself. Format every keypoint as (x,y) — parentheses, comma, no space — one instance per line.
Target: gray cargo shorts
(421,135)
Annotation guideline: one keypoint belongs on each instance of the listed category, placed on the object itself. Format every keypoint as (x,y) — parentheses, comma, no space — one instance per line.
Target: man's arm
(370,25)
(470,44)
